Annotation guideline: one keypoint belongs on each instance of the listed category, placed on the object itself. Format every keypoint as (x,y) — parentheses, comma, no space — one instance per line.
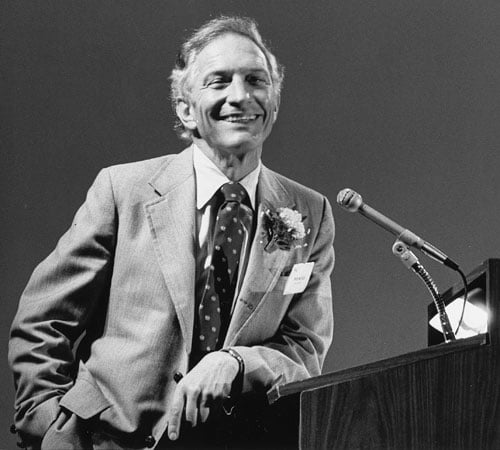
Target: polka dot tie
(215,307)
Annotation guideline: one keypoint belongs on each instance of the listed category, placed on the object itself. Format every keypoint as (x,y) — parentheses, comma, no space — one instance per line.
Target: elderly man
(192,277)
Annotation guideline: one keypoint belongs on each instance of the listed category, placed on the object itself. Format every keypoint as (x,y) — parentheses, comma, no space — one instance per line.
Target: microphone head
(349,200)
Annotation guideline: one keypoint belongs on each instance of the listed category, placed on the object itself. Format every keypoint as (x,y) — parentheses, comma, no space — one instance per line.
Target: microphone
(353,202)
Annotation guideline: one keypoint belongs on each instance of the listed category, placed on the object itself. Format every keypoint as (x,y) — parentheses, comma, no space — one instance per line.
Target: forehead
(230,52)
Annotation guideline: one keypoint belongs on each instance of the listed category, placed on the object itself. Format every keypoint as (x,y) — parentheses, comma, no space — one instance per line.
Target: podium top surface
(327,379)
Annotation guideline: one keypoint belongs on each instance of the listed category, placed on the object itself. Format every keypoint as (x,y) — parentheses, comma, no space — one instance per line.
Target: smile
(240,119)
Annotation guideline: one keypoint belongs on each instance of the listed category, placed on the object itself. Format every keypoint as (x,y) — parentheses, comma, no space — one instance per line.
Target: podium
(446,396)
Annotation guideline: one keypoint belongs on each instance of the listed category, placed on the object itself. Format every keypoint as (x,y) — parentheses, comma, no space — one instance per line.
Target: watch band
(237,386)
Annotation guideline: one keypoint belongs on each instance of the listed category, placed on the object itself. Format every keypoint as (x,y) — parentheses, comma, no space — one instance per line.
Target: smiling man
(195,277)
(231,103)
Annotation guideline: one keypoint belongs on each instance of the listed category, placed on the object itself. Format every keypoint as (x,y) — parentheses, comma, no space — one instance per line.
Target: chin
(241,145)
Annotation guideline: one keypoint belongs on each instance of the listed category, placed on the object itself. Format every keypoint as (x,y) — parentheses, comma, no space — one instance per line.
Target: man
(194,276)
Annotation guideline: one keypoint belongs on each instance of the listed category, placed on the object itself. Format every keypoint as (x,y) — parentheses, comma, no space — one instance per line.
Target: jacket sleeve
(55,306)
(298,349)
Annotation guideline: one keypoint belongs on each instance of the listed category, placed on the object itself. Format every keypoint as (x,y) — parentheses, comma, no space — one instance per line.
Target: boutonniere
(284,228)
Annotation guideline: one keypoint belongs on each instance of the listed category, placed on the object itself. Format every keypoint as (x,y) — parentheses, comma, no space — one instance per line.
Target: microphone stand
(409,259)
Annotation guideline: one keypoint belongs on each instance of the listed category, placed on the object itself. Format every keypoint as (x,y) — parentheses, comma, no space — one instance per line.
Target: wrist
(232,364)
(237,385)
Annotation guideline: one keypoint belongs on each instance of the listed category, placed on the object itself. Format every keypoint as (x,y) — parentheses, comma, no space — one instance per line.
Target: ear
(184,113)
(275,110)
(275,114)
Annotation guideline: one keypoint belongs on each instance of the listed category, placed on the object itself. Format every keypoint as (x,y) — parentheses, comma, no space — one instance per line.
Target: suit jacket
(124,275)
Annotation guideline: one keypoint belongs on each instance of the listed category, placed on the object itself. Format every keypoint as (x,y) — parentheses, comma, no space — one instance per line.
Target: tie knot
(233,192)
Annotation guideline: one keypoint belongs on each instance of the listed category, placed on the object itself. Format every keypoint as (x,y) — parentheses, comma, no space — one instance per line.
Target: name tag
(298,278)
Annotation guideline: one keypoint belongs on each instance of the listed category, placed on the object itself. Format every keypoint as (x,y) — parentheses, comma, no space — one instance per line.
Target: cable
(466,293)
(438,301)
(408,258)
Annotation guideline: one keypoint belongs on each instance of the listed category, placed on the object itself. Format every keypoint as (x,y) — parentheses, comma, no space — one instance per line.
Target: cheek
(267,102)
(209,110)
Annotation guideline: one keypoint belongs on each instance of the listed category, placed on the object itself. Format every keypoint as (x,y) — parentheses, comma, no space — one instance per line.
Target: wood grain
(443,397)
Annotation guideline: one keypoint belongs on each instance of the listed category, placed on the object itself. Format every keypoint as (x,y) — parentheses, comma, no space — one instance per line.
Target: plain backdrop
(398,99)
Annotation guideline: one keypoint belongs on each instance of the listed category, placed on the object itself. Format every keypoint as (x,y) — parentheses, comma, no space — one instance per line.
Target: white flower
(284,228)
(293,220)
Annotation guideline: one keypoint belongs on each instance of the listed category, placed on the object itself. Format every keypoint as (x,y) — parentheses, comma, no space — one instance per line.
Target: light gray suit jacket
(124,273)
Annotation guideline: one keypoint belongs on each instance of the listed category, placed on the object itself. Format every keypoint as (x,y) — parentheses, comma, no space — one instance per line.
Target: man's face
(231,105)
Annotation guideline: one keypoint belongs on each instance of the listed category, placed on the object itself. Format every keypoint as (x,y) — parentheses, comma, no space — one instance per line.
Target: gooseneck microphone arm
(408,258)
(353,202)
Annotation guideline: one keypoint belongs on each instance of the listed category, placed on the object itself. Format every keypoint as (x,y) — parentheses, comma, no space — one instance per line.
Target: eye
(257,80)
(216,82)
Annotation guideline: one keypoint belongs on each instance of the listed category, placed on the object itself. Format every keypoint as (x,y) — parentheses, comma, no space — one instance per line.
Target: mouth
(239,118)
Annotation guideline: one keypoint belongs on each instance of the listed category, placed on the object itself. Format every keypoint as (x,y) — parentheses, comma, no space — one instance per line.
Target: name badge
(298,278)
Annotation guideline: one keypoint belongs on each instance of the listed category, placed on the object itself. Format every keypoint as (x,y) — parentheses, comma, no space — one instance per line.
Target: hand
(208,383)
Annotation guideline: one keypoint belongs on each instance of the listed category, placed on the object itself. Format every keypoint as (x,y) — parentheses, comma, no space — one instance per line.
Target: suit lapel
(264,268)
(172,221)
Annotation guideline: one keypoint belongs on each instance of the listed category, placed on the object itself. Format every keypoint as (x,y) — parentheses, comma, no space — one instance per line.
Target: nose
(237,91)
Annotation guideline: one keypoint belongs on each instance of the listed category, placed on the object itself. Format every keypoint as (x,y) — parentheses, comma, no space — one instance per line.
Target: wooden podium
(446,396)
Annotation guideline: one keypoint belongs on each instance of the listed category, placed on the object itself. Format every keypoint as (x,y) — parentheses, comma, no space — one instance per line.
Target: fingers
(204,408)
(192,403)
(198,406)
(175,414)
(192,396)
(204,387)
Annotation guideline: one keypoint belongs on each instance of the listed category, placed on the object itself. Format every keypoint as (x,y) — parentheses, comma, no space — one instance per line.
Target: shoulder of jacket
(297,188)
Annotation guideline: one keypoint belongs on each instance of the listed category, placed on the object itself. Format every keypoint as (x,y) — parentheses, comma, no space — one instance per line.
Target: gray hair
(211,30)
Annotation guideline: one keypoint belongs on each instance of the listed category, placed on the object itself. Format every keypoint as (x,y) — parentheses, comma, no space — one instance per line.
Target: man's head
(226,84)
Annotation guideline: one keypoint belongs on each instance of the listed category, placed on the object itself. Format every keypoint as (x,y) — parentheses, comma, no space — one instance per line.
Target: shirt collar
(209,178)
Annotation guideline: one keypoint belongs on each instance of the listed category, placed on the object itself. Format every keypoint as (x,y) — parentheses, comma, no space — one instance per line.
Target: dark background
(398,99)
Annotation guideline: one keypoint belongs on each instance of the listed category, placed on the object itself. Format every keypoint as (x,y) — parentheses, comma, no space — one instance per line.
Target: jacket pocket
(85,398)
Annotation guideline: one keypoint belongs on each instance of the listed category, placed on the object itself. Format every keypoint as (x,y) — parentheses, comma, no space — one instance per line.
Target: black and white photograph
(250,225)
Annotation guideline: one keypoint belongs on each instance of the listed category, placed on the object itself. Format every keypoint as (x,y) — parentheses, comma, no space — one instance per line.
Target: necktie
(215,307)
